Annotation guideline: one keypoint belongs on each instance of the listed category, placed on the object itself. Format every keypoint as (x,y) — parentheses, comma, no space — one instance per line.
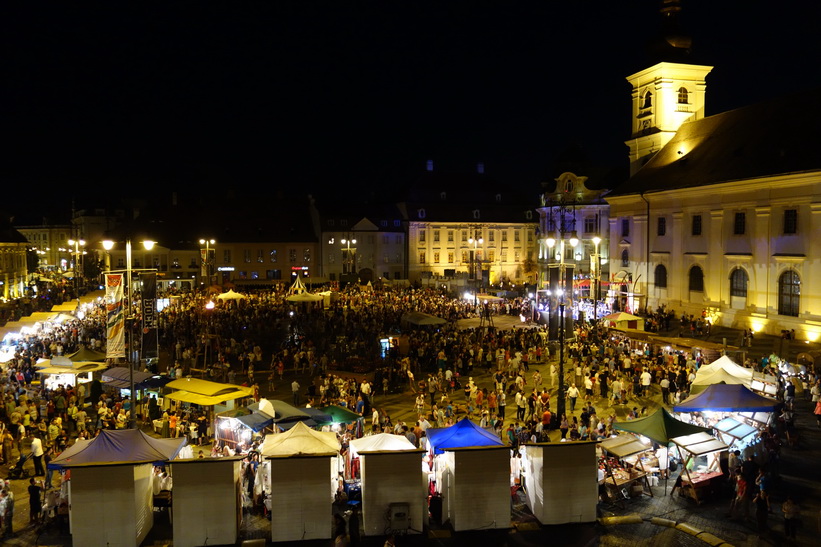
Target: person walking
(792,514)
(35,501)
(37,455)
(572,394)
(295,391)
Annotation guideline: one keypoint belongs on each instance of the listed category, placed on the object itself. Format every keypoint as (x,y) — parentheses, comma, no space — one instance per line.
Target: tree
(529,267)
(32,260)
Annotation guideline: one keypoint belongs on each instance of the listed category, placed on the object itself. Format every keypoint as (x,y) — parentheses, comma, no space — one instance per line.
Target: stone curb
(681,526)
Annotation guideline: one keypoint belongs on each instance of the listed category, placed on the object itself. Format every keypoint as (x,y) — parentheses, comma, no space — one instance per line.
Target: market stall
(698,479)
(471,469)
(623,464)
(734,433)
(560,484)
(303,476)
(62,371)
(111,477)
(206,512)
(725,371)
(660,427)
(393,488)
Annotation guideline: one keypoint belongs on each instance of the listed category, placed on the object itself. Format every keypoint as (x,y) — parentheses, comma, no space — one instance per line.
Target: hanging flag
(115,316)
(148,306)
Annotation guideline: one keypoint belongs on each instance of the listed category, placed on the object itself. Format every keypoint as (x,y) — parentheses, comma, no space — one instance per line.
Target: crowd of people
(487,374)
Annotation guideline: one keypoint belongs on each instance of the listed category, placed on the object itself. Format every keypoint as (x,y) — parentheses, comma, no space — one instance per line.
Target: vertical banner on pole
(115,316)
(204,263)
(149,313)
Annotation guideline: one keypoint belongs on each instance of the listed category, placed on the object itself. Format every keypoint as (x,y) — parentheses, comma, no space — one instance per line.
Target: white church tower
(666,94)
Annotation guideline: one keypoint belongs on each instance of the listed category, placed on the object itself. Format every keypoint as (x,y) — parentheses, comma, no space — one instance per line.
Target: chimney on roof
(480,168)
(429,166)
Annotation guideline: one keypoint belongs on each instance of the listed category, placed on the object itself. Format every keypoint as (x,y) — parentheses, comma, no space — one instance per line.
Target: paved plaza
(662,519)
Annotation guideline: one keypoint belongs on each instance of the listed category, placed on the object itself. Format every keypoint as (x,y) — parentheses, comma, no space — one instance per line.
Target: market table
(698,486)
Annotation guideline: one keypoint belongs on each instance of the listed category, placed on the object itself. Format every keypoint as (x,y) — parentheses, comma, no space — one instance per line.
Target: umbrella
(304,297)
(340,414)
(230,295)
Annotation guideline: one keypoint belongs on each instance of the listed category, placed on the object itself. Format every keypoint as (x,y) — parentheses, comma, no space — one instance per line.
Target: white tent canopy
(230,295)
(300,440)
(380,442)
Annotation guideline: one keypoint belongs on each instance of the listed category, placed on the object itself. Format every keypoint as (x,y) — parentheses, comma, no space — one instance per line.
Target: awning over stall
(462,434)
(205,392)
(300,440)
(623,446)
(118,446)
(381,442)
(727,398)
(660,427)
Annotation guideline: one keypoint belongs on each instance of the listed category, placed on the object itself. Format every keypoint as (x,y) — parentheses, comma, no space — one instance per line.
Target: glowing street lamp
(596,267)
(206,261)
(147,245)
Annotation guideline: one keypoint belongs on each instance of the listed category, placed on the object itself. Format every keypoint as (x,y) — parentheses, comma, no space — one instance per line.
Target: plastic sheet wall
(561,482)
(392,477)
(475,484)
(111,505)
(206,502)
(302,497)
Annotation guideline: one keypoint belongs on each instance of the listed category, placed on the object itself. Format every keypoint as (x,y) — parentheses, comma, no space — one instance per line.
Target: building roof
(766,139)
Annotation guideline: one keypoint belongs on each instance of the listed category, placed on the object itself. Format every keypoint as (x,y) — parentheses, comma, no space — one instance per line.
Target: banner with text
(149,313)
(115,316)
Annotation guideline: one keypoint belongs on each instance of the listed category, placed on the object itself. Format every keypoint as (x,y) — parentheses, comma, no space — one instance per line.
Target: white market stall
(394,489)
(698,481)
(206,506)
(110,492)
(725,371)
(625,474)
(303,473)
(472,473)
(623,321)
(560,481)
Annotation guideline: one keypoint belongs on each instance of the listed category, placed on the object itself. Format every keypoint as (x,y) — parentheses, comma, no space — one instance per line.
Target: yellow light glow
(757,326)
(812,335)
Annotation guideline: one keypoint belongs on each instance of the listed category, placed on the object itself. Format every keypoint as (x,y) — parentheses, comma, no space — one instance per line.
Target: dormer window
(420,213)
(647,100)
(476,213)
(443,196)
(683,96)
(498,198)
(528,215)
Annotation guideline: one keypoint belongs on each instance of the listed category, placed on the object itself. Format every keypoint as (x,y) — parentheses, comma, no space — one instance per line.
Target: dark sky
(149,97)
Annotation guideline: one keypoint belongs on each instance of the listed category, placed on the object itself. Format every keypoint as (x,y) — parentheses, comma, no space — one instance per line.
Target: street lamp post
(349,264)
(76,244)
(475,266)
(207,260)
(596,267)
(147,245)
(564,225)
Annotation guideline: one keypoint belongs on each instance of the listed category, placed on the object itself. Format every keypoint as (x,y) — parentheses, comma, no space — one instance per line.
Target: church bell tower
(668,93)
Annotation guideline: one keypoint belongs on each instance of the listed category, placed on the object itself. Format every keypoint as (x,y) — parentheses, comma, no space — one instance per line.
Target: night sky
(256,96)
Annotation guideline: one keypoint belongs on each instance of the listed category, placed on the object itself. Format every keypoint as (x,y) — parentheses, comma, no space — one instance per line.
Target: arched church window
(696,279)
(683,96)
(789,293)
(648,100)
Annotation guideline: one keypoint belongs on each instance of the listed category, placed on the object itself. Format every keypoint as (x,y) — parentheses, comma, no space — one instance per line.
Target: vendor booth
(699,479)
(623,321)
(727,398)
(110,492)
(623,459)
(471,469)
(392,486)
(303,476)
(560,481)
(734,433)
(62,371)
(660,427)
(725,371)
(206,509)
